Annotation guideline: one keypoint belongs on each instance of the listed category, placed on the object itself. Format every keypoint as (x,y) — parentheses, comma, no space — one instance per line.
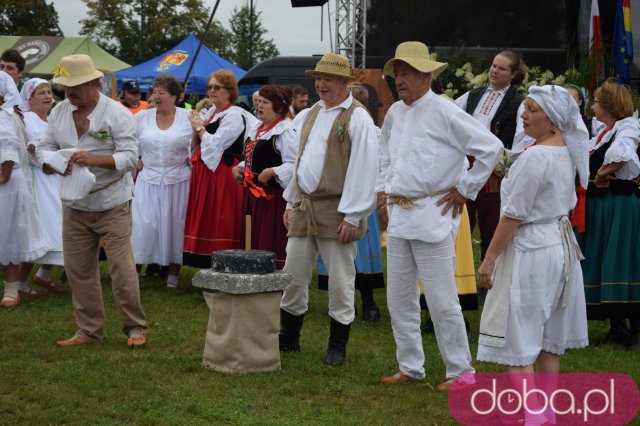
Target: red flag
(595,45)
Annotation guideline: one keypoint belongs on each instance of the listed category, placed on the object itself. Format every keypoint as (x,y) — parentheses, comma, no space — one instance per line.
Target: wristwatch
(199,129)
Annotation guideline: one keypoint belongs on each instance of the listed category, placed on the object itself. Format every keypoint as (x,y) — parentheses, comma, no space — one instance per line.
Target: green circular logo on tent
(33,51)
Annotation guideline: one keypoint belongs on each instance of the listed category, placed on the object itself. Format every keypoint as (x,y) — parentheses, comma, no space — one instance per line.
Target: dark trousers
(487,209)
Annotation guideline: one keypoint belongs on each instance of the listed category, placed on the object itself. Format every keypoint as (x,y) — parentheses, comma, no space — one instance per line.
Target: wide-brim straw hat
(415,54)
(75,70)
(332,64)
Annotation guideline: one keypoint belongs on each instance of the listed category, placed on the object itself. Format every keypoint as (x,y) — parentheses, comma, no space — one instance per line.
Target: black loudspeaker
(306,3)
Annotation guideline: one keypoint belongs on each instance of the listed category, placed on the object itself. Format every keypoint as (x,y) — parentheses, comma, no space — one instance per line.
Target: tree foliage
(115,25)
(17,18)
(244,54)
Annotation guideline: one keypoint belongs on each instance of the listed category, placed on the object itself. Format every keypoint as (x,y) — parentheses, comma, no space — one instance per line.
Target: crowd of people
(555,195)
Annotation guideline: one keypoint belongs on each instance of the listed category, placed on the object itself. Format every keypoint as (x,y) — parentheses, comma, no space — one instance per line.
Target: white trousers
(302,256)
(433,263)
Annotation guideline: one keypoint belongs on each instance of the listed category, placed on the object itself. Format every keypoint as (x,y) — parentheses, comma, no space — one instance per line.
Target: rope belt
(407,202)
(107,185)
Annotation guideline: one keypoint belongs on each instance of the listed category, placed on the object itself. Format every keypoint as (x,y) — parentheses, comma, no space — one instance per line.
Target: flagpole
(202,37)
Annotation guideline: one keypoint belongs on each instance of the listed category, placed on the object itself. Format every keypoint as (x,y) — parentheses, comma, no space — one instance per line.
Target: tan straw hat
(332,64)
(75,70)
(415,54)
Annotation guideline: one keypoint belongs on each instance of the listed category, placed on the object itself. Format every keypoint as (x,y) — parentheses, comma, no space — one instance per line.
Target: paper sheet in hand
(58,160)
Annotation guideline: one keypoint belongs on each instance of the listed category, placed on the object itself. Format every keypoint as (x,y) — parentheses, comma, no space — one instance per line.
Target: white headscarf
(564,113)
(9,92)
(27,90)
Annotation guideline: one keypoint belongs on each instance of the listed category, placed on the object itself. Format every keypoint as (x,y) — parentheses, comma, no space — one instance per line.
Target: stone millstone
(208,279)
(243,261)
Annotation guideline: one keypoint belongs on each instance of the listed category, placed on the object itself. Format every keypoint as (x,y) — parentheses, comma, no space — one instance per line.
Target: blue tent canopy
(176,61)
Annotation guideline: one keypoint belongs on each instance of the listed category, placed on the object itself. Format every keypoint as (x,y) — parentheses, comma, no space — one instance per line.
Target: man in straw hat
(104,134)
(328,201)
(423,143)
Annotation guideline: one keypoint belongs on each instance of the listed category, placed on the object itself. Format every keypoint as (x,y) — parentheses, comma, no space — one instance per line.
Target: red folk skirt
(214,213)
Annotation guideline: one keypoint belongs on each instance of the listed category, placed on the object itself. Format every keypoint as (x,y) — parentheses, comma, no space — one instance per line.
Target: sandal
(29,292)
(8,301)
(49,285)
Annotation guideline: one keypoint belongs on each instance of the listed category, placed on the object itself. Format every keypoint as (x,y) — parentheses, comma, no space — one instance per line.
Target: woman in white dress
(162,186)
(37,101)
(535,309)
(22,236)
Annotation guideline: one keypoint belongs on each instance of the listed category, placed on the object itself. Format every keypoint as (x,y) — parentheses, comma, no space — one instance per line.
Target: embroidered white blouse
(212,146)
(623,148)
(286,144)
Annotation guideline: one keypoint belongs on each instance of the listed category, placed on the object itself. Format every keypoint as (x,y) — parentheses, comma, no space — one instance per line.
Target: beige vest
(316,214)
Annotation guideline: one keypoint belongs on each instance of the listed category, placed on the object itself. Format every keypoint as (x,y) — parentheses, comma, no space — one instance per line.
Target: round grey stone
(243,261)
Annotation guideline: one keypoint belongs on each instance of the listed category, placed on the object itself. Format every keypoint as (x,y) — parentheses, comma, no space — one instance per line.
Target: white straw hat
(75,70)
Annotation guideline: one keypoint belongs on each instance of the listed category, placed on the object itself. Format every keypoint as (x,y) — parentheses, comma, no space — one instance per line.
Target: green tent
(43,53)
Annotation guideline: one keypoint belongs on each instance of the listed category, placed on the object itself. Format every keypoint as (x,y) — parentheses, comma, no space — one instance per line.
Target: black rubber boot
(290,326)
(338,338)
(618,333)
(370,311)
(633,343)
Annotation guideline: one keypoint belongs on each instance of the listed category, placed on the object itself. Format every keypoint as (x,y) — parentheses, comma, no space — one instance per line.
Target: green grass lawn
(164,382)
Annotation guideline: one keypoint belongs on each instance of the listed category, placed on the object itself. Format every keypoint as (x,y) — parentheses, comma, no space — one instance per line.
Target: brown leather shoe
(49,285)
(74,341)
(396,378)
(137,339)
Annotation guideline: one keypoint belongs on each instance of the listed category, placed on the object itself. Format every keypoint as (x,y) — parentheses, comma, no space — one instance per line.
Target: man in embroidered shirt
(496,108)
(423,144)
(328,201)
(104,135)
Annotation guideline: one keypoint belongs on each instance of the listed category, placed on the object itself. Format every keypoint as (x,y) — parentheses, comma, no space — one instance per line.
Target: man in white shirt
(103,133)
(328,201)
(423,144)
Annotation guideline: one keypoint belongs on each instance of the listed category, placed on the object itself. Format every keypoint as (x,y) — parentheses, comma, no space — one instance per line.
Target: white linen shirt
(358,197)
(165,153)
(108,116)
(286,144)
(485,119)
(423,148)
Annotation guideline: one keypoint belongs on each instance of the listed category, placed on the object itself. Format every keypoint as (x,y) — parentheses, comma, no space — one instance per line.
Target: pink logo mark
(563,399)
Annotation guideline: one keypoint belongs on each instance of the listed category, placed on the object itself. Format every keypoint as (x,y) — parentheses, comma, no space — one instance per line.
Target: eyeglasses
(215,87)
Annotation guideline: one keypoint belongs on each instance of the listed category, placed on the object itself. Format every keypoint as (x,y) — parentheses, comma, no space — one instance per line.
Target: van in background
(289,71)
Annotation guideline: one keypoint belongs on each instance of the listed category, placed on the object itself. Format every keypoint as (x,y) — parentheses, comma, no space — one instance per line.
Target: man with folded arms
(328,201)
(104,134)
(423,144)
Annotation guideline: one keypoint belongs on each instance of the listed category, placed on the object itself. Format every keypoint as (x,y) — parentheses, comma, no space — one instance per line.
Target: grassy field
(164,383)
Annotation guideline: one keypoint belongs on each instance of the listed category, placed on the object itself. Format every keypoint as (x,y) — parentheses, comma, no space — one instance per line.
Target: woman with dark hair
(162,186)
(496,107)
(214,210)
(269,154)
(610,235)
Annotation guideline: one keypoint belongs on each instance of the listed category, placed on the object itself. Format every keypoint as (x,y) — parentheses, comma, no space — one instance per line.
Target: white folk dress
(539,191)
(22,236)
(46,192)
(162,189)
